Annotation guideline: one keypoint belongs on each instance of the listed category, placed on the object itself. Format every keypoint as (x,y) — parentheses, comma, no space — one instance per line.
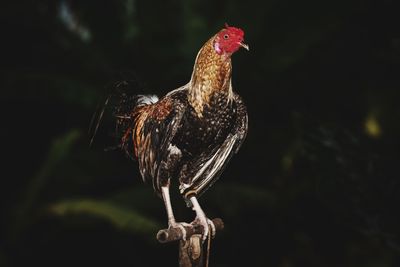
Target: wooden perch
(173,234)
(191,249)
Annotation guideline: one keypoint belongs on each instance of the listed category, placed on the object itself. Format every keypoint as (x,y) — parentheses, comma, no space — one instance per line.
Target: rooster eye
(226,36)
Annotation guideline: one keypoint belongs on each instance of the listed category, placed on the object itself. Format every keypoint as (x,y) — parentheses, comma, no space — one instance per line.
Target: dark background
(316,182)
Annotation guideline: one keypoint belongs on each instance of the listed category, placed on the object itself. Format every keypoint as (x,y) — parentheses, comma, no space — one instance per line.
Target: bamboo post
(190,250)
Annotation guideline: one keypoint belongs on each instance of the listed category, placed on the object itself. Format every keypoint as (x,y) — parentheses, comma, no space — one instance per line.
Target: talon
(206,224)
(212,226)
(202,220)
(183,231)
(180,225)
(205,234)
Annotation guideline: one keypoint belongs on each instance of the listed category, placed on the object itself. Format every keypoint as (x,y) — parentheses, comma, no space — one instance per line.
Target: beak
(245,46)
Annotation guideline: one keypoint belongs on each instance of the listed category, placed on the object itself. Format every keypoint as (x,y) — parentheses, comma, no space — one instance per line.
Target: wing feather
(210,165)
(155,126)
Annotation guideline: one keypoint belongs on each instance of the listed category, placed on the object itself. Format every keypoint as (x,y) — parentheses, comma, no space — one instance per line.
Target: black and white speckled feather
(189,135)
(173,143)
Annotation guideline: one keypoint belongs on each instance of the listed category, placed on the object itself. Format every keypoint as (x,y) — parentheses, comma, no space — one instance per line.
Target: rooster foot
(207,225)
(181,226)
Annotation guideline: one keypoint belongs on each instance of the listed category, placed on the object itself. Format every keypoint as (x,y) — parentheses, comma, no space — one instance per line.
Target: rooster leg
(202,219)
(171,218)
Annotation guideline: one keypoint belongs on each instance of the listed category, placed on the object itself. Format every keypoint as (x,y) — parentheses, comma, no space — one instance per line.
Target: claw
(180,225)
(202,220)
(206,230)
(212,227)
(208,227)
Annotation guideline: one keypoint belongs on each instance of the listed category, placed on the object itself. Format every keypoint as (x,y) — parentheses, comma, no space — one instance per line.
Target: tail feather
(127,121)
(123,105)
(96,120)
(142,100)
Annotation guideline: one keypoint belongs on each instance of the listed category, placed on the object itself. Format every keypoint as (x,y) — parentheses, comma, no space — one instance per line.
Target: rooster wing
(201,173)
(155,125)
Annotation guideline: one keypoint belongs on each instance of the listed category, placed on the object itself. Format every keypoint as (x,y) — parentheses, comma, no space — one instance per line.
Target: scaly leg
(171,218)
(202,219)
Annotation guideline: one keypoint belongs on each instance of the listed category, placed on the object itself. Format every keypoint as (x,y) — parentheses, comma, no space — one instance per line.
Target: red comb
(235,30)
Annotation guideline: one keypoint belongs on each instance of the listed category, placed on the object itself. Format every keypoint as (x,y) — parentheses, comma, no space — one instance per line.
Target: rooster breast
(198,134)
(208,142)
(172,141)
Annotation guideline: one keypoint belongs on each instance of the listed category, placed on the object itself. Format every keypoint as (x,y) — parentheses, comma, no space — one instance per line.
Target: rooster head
(229,40)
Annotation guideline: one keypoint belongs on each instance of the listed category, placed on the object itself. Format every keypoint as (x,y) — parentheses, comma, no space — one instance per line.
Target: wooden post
(191,252)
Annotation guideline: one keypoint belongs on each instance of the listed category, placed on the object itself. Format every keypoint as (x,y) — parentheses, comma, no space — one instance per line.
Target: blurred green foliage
(59,151)
(316,180)
(122,218)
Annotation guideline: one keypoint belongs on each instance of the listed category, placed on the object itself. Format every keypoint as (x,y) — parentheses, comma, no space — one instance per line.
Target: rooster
(191,133)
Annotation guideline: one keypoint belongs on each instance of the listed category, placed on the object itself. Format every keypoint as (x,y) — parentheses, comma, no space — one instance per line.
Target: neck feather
(211,74)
